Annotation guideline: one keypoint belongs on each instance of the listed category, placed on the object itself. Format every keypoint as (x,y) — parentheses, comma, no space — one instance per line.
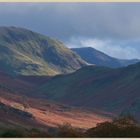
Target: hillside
(99,58)
(13,116)
(34,117)
(112,90)
(28,53)
(18,93)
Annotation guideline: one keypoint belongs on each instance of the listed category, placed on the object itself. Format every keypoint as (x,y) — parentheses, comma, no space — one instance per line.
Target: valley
(44,84)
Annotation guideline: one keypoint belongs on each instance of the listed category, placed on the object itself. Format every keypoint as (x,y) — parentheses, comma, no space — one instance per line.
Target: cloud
(107,46)
(113,28)
(64,20)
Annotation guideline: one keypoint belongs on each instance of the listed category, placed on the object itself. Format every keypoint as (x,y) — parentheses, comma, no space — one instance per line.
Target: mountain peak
(29,53)
(99,58)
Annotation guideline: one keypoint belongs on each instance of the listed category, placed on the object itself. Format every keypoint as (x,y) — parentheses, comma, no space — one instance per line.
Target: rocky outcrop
(9,109)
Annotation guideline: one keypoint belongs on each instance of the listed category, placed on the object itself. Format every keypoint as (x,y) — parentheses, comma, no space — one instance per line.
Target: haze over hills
(99,58)
(28,53)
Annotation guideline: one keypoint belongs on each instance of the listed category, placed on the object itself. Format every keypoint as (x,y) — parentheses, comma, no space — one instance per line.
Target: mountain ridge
(93,56)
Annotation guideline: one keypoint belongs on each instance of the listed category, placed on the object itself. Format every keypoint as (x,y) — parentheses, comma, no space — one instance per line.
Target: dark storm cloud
(63,20)
(106,22)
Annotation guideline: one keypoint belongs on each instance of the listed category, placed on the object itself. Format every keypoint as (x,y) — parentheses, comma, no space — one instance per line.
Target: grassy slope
(115,90)
(46,113)
(29,53)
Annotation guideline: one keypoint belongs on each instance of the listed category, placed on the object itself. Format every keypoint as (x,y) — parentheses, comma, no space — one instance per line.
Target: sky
(113,28)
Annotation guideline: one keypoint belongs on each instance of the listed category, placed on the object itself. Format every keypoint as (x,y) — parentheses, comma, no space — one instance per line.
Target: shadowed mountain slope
(99,58)
(113,90)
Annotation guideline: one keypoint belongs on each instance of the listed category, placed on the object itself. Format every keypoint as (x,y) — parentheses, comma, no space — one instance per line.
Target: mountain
(107,89)
(29,53)
(98,58)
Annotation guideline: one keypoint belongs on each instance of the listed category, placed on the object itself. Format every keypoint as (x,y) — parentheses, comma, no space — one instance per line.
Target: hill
(18,94)
(111,90)
(99,58)
(29,53)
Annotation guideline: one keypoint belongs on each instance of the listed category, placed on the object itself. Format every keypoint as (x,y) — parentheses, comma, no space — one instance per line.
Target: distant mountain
(28,53)
(99,58)
(111,90)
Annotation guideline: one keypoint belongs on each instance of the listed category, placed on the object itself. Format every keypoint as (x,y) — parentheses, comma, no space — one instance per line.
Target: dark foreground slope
(20,92)
(99,58)
(28,53)
(113,90)
(123,127)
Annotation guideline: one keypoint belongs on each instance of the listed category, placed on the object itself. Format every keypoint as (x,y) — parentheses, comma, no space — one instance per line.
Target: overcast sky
(113,28)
